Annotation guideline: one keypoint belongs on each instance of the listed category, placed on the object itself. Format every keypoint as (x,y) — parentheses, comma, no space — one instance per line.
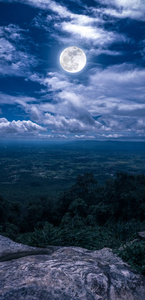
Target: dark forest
(86,215)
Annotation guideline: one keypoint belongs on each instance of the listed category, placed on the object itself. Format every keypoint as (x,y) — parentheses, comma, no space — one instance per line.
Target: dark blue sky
(39,100)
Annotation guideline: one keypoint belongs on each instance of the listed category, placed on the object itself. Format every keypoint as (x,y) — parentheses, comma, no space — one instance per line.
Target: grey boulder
(65,273)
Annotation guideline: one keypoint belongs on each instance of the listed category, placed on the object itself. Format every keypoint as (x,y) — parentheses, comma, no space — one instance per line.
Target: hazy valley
(42,169)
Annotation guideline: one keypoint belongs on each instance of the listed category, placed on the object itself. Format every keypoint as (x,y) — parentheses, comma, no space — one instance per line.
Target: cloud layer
(19,128)
(13,60)
(104,101)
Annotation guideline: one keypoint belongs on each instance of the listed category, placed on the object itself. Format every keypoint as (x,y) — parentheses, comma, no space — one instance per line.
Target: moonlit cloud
(12,100)
(104,101)
(134,9)
(62,124)
(13,61)
(16,128)
(85,27)
(97,35)
(112,95)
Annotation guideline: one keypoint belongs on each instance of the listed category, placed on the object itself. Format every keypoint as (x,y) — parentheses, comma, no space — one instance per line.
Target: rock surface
(142,234)
(65,273)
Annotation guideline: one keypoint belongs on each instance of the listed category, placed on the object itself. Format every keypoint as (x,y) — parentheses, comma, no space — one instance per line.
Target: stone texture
(142,234)
(10,250)
(65,273)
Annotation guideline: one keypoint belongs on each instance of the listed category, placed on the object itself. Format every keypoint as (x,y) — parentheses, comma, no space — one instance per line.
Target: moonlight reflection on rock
(73,59)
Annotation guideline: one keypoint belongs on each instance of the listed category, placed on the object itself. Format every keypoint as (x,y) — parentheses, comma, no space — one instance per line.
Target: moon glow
(73,59)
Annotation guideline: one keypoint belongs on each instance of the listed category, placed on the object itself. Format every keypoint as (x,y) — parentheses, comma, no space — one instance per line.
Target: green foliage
(87,215)
(78,207)
(48,235)
(134,254)
(4,209)
(9,230)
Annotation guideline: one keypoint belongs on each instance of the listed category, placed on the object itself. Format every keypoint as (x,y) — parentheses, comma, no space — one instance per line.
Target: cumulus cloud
(112,100)
(106,89)
(60,123)
(16,128)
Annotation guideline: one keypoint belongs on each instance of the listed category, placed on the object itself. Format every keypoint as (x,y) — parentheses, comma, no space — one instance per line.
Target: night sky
(41,101)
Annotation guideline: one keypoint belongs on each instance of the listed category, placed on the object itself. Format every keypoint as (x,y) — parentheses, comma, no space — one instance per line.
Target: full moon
(73,59)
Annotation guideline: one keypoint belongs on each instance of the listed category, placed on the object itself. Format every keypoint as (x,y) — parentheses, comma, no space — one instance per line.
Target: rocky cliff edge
(65,273)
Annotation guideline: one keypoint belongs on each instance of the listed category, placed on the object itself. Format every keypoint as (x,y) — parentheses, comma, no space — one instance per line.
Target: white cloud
(13,61)
(87,27)
(61,10)
(12,32)
(134,9)
(142,48)
(111,102)
(16,128)
(43,4)
(12,100)
(6,49)
(98,35)
(113,99)
(60,123)
(110,136)
(99,51)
